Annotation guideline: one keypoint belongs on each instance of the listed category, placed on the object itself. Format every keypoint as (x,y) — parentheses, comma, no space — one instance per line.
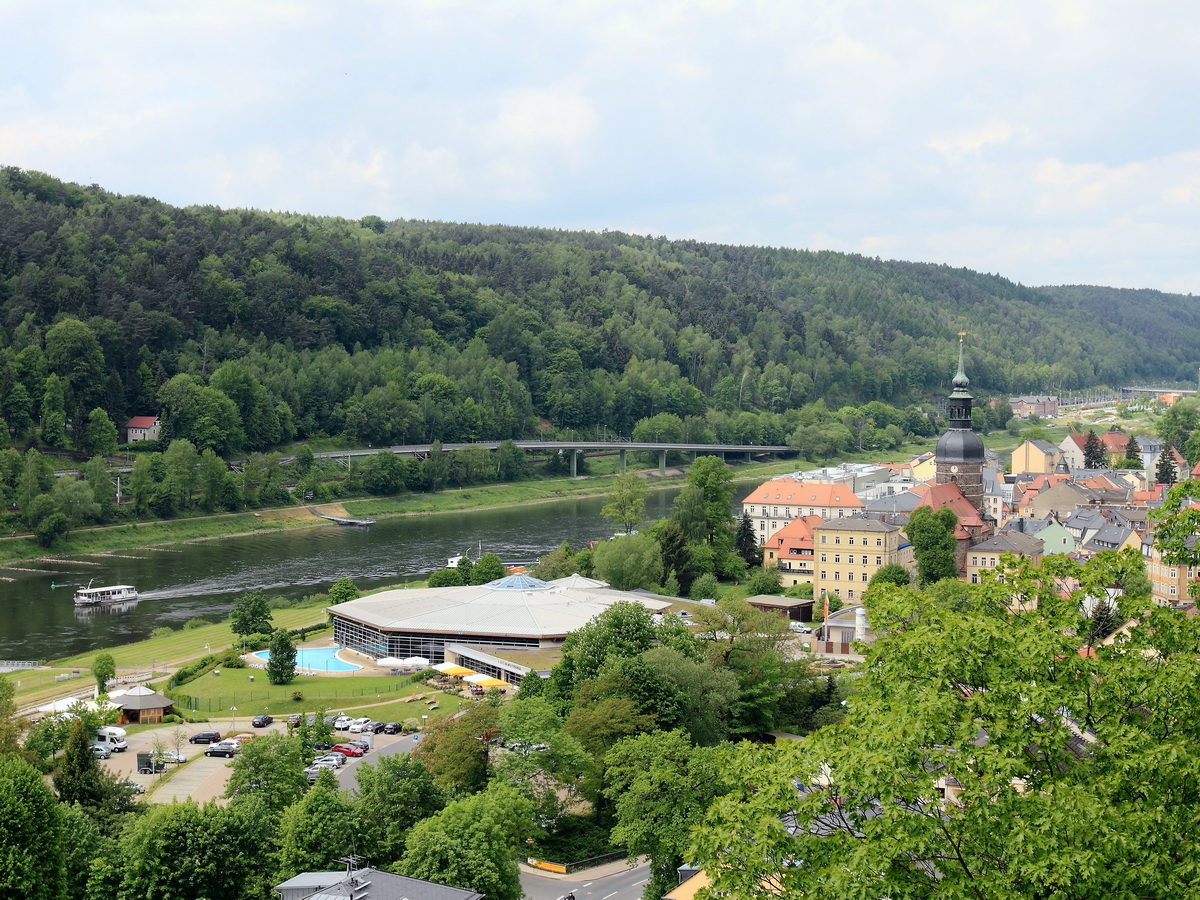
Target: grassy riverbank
(131,536)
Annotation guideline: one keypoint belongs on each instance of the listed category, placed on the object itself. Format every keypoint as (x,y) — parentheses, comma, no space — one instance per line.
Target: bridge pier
(662,462)
(622,455)
(574,462)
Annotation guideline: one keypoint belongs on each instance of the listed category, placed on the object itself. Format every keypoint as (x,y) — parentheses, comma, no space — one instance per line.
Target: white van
(112,737)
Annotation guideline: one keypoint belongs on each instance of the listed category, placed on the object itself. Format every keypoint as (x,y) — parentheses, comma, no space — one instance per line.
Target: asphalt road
(613,881)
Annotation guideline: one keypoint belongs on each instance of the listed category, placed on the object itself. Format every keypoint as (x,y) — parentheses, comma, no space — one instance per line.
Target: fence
(11,665)
(280,692)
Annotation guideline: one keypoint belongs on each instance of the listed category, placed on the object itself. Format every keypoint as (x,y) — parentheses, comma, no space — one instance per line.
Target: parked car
(393,728)
(336,759)
(800,628)
(341,723)
(243,738)
(364,746)
(100,751)
(205,737)
(373,727)
(223,748)
(293,720)
(132,786)
(314,771)
(358,726)
(320,744)
(347,750)
(171,756)
(262,720)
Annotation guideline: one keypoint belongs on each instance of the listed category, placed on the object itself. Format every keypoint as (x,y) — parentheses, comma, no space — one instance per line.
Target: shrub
(412,724)
(231,659)
(162,631)
(704,587)
(298,696)
(192,624)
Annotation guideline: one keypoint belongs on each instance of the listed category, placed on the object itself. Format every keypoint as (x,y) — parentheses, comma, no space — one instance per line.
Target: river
(38,619)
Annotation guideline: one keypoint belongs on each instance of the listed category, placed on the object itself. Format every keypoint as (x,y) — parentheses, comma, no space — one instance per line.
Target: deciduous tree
(626,505)
(281,666)
(932,537)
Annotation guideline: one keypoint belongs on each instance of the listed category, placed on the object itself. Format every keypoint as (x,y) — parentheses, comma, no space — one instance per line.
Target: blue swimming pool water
(317,659)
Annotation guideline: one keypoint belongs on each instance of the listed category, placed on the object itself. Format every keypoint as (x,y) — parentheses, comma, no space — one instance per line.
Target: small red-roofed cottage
(142,428)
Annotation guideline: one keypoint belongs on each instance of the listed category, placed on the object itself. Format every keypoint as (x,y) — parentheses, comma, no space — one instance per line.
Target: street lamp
(232,716)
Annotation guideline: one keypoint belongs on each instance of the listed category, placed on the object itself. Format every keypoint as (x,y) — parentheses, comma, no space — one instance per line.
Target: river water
(38,619)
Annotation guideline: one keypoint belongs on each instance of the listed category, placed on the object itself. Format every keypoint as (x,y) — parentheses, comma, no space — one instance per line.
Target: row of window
(850,558)
(787,512)
(837,576)
(837,539)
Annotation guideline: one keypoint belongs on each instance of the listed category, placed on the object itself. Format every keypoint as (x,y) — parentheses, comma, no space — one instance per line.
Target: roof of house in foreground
(516,605)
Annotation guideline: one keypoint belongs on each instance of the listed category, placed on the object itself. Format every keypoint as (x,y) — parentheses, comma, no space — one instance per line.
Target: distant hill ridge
(578,328)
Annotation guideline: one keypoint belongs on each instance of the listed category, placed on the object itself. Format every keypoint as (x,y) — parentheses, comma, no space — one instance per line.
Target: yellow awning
(457,670)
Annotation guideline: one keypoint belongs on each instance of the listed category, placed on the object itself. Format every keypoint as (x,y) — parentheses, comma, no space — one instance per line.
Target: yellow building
(849,551)
(1036,458)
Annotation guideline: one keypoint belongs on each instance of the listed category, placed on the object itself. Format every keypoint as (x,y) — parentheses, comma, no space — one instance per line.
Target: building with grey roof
(475,625)
(368,884)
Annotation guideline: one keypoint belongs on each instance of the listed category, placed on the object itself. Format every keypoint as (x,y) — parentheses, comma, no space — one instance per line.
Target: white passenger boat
(102,596)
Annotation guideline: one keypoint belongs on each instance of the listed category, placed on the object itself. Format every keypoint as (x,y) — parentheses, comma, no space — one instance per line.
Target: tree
(626,505)
(446,578)
(932,537)
(212,478)
(100,436)
(313,833)
(184,850)
(622,631)
(393,795)
(74,499)
(660,785)
(281,666)
(971,735)
(11,723)
(251,614)
(487,568)
(510,462)
(436,468)
(764,581)
(1164,472)
(472,844)
(47,523)
(104,667)
(343,590)
(558,563)
(715,481)
(269,769)
(455,751)
(629,562)
(78,779)
(746,542)
(1094,456)
(32,842)
(1133,454)
(73,353)
(892,573)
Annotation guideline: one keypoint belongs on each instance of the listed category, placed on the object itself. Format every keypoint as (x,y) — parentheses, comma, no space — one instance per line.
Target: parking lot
(203,778)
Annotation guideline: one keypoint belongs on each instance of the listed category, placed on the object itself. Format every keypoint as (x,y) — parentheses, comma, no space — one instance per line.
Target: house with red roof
(790,549)
(774,503)
(142,428)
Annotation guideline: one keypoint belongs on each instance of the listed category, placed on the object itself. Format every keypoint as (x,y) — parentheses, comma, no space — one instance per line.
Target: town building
(790,549)
(774,503)
(959,453)
(850,550)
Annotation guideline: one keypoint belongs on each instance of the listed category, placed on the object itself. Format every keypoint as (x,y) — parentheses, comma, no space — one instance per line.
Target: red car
(347,750)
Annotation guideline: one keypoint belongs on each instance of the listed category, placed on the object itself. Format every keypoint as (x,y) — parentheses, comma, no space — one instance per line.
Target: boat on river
(102,596)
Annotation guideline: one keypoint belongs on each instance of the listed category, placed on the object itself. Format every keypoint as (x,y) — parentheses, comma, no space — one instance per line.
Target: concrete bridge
(575,448)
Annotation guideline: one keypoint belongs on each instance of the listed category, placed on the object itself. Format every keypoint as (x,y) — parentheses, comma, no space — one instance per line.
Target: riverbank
(109,539)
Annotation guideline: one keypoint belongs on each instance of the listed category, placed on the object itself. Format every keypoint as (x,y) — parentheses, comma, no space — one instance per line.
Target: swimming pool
(316,659)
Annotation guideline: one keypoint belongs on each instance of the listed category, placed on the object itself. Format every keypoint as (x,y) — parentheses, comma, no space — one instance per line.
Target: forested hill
(411,331)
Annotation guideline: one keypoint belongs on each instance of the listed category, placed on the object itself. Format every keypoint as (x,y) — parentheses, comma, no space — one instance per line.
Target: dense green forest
(246,330)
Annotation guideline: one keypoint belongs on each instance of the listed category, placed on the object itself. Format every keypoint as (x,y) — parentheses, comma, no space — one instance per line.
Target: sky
(1048,141)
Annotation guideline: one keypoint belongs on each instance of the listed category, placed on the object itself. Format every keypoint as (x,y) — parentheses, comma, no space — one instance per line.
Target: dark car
(393,728)
(205,737)
(374,727)
(223,748)
(361,745)
(293,720)
(321,745)
(262,720)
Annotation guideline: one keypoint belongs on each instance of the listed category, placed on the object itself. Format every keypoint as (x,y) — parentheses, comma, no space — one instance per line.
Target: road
(612,881)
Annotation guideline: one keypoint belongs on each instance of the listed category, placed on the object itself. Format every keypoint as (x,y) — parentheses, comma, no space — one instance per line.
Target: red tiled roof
(142,422)
(951,495)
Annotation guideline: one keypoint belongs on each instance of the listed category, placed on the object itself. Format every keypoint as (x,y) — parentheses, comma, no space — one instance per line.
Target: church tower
(959,454)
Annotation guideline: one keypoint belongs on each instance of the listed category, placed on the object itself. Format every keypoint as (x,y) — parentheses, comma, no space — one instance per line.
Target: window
(849,595)
(1171,574)
(837,576)
(837,557)
(1172,590)
(838,539)
(864,576)
(823,575)
(878,542)
(822,539)
(850,559)
(879,560)
(974,561)
(851,541)
(823,555)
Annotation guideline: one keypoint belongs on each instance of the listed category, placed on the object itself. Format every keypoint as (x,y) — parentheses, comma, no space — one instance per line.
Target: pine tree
(1133,454)
(1165,473)
(281,665)
(1093,452)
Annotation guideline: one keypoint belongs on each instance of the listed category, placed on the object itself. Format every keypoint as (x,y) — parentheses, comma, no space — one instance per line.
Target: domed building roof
(959,446)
